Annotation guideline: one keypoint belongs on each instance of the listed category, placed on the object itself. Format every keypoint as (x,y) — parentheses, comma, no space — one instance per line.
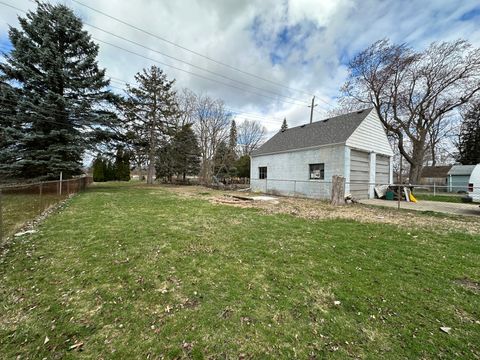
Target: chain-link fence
(24,202)
(320,189)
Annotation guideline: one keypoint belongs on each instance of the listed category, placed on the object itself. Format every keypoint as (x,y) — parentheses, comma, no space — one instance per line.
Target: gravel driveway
(424,205)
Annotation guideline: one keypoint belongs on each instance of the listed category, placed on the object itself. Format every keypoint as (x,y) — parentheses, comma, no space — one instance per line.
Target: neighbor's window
(262,172)
(317,171)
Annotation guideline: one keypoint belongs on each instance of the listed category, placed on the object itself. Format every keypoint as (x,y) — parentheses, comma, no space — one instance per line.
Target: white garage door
(359,174)
(382,170)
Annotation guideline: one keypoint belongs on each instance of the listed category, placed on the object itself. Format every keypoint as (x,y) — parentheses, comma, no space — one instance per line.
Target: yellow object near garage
(412,198)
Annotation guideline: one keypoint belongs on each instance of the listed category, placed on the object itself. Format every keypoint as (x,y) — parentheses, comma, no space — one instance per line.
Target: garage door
(382,170)
(359,174)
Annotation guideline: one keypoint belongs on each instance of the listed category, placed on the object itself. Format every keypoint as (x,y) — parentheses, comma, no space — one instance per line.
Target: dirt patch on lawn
(469,285)
(316,209)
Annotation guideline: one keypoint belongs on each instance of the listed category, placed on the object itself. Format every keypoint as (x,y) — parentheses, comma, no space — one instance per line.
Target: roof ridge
(335,131)
(330,118)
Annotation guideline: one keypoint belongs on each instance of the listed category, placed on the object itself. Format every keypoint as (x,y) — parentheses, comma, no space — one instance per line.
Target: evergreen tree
(151,111)
(9,128)
(98,169)
(232,139)
(469,142)
(109,170)
(165,163)
(122,165)
(232,149)
(221,160)
(61,94)
(186,152)
(243,166)
(284,125)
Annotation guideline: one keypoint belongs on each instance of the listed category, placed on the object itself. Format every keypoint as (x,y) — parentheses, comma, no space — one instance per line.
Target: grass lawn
(142,272)
(18,208)
(457,198)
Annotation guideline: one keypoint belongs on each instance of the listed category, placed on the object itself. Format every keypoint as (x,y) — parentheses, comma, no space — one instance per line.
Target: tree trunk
(338,190)
(151,167)
(416,163)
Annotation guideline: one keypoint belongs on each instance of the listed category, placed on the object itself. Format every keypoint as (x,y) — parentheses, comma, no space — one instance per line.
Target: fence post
(1,218)
(434,189)
(40,195)
(60,184)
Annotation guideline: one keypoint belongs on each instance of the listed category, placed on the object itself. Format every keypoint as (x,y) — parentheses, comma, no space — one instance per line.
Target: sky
(264,58)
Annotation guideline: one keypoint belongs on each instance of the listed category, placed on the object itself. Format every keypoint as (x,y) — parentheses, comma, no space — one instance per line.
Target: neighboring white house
(302,160)
(458,177)
(474,184)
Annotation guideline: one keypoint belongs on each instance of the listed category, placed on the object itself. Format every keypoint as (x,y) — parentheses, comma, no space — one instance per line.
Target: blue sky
(302,44)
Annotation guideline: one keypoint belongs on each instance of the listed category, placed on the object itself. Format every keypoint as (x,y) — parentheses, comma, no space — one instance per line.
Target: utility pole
(311,109)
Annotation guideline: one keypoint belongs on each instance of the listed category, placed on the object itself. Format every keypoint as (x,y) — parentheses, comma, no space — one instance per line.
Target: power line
(195,74)
(189,50)
(175,67)
(192,65)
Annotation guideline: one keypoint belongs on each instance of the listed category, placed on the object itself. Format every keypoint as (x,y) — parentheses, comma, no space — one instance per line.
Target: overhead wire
(302,104)
(124,22)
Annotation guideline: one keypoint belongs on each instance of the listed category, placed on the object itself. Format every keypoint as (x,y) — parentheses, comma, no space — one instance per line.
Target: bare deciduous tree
(413,92)
(251,135)
(212,123)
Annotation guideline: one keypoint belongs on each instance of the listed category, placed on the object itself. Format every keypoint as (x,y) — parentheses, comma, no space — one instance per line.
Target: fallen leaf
(76,346)
(46,340)
(445,329)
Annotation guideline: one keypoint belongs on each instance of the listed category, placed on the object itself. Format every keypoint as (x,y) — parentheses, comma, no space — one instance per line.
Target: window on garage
(262,172)
(317,171)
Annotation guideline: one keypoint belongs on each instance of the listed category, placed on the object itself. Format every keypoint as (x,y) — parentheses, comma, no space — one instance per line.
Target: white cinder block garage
(302,160)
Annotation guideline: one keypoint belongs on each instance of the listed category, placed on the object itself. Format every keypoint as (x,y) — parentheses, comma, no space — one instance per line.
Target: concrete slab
(423,205)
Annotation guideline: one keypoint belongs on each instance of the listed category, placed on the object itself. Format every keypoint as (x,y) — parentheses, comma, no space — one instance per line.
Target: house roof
(335,130)
(465,170)
(435,171)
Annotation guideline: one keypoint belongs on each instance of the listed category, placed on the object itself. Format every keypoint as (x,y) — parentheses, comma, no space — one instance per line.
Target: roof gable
(335,130)
(435,171)
(464,170)
(370,136)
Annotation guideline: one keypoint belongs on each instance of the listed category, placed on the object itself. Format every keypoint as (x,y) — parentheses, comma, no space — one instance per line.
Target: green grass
(139,272)
(443,198)
(18,208)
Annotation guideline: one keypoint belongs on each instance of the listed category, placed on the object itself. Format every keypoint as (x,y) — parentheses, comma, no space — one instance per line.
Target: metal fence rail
(321,189)
(22,203)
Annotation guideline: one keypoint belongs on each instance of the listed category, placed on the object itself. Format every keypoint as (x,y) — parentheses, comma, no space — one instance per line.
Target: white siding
(288,173)
(370,136)
(475,180)
(359,174)
(382,176)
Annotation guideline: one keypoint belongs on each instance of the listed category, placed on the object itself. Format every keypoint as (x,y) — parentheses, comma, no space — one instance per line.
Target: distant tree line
(105,170)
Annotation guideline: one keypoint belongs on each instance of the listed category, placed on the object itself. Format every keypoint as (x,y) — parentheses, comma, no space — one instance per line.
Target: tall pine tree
(61,94)
(9,128)
(122,164)
(469,142)
(151,110)
(186,152)
(284,125)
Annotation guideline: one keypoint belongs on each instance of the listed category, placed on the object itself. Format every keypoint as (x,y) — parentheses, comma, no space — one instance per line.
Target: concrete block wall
(289,174)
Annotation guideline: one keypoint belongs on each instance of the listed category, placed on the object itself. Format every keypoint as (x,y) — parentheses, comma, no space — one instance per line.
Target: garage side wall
(288,173)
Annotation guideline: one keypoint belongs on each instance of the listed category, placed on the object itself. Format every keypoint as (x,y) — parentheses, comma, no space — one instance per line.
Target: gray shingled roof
(435,171)
(461,170)
(329,131)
